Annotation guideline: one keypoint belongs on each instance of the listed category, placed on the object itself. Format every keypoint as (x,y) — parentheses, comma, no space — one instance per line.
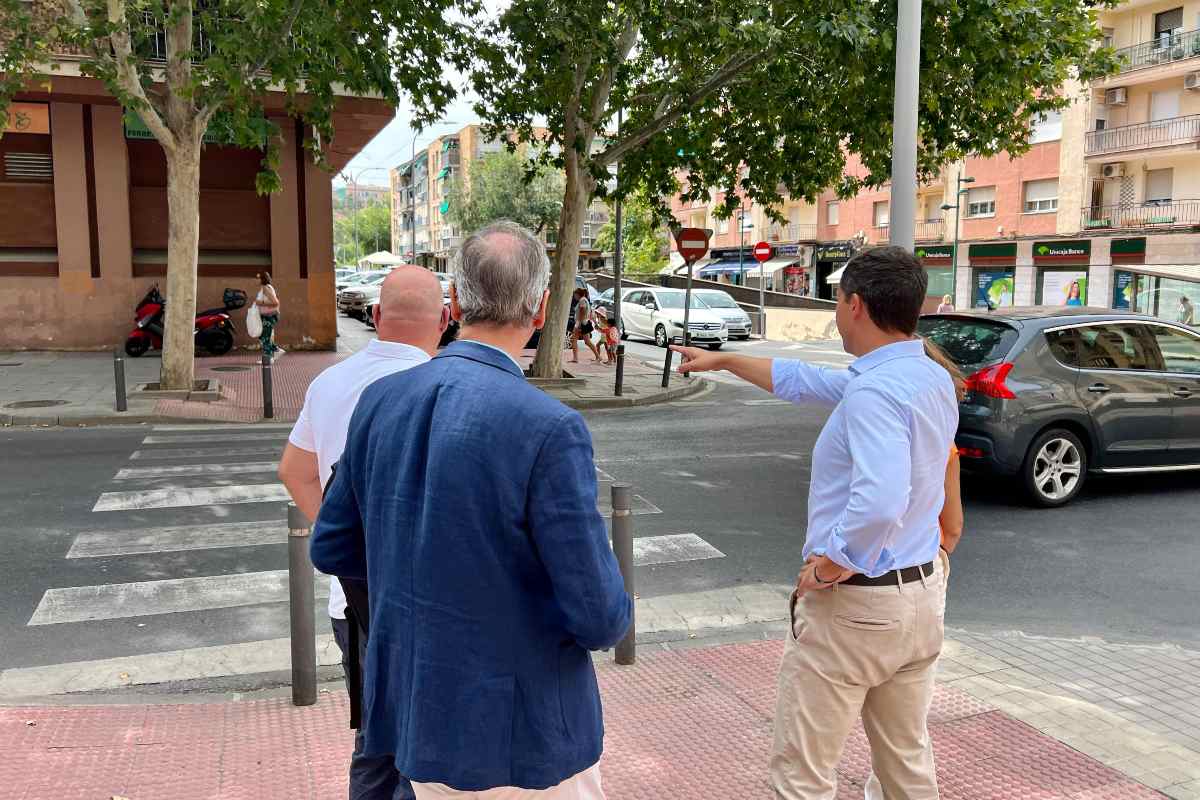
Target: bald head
(410,308)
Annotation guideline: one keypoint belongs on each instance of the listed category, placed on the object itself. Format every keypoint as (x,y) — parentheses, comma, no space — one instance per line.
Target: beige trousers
(581,786)
(860,650)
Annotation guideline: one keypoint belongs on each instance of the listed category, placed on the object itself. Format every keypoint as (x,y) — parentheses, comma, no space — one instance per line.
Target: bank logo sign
(1082,249)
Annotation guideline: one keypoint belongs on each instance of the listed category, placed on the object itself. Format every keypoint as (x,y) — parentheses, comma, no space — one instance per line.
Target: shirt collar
(380,348)
(483,353)
(889,352)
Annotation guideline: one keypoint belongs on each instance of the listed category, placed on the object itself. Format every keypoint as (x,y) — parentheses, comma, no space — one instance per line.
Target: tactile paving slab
(681,725)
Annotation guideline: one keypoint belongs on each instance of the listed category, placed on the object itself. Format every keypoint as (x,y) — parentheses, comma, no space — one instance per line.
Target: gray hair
(500,273)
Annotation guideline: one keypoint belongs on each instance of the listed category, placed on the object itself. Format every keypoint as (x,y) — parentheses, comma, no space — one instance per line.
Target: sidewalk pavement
(681,724)
(53,388)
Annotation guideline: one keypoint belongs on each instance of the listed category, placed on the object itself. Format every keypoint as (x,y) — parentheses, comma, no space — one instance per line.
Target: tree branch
(127,74)
(603,88)
(283,39)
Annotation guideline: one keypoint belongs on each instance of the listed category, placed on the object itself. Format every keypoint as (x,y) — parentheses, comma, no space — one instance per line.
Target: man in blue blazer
(467,499)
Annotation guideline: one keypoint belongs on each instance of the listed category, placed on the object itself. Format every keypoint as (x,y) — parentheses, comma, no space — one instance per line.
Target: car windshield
(675,300)
(371,280)
(719,300)
(607,294)
(970,343)
(357,277)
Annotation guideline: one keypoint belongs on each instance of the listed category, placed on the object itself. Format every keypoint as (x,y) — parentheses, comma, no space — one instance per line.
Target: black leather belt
(906,575)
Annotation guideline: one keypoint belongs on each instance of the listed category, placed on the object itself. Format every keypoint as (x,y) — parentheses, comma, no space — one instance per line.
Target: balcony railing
(794,232)
(929,230)
(1165,49)
(1142,216)
(1145,135)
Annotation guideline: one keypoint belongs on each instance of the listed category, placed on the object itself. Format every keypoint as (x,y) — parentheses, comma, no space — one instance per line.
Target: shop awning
(444,207)
(1183,272)
(835,277)
(443,173)
(381,258)
(725,267)
(771,265)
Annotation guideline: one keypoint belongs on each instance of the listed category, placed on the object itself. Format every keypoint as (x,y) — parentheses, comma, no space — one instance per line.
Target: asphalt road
(730,468)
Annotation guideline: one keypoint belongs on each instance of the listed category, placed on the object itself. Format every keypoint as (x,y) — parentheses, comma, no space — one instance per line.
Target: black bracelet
(817,575)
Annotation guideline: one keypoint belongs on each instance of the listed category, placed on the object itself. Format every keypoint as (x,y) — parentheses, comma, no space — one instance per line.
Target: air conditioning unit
(1115,169)
(1191,81)
(1115,97)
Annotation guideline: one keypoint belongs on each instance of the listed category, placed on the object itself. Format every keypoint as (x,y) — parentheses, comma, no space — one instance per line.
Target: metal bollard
(119,377)
(268,400)
(620,370)
(666,381)
(300,594)
(622,541)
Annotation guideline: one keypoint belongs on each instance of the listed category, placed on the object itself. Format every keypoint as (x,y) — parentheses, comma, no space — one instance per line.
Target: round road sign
(762,252)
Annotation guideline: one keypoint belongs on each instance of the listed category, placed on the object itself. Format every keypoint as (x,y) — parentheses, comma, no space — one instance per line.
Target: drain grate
(36,404)
(231,368)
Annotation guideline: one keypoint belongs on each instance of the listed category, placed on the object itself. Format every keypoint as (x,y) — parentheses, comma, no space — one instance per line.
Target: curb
(600,403)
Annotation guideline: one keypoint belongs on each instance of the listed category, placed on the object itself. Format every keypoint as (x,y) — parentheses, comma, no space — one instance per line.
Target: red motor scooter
(214,327)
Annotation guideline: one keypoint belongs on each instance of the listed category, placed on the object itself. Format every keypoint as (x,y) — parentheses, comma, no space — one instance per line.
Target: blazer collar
(481,353)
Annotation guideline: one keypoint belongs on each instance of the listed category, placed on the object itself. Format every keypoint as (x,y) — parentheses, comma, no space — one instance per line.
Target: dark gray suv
(1056,393)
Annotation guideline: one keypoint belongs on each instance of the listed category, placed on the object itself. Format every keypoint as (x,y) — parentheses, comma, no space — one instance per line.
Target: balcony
(1154,215)
(1166,49)
(928,230)
(1176,132)
(794,232)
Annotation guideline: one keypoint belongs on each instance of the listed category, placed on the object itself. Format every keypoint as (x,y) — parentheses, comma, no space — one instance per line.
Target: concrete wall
(77,309)
(800,324)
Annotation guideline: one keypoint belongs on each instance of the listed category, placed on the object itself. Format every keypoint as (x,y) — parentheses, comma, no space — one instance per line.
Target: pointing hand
(697,360)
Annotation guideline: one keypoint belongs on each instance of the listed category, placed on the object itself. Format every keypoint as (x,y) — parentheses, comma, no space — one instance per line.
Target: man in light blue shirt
(867,613)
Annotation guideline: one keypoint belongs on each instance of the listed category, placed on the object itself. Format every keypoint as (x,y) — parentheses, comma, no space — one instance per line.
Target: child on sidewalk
(611,336)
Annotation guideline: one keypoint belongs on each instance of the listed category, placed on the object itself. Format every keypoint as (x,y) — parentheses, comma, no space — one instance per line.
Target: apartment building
(1102,210)
(421,198)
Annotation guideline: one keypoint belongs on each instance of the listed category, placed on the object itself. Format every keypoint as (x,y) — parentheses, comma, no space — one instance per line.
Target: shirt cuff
(837,551)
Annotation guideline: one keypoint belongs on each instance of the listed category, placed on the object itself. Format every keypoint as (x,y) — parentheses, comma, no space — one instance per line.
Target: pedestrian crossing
(197,510)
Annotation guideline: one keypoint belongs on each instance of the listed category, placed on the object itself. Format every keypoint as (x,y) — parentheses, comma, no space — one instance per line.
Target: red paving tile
(680,725)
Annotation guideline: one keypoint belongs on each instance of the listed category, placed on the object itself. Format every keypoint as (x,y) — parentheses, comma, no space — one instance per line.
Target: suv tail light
(989,382)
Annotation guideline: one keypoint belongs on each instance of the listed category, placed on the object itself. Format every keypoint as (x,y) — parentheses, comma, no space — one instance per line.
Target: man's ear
(539,317)
(444,320)
(377,314)
(455,308)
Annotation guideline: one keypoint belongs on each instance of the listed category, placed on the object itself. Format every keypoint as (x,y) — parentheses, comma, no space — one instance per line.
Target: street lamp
(958,193)
(412,186)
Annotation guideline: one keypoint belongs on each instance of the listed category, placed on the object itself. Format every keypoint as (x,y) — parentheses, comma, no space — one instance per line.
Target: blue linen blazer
(467,499)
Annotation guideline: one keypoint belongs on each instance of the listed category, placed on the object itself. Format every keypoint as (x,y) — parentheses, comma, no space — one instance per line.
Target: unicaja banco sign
(1058,251)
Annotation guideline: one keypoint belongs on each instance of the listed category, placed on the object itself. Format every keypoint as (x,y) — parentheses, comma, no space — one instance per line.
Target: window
(933,209)
(1164,106)
(1046,127)
(881,214)
(1041,197)
(1180,352)
(970,343)
(831,213)
(723,226)
(1106,37)
(981,202)
(1116,346)
(1167,23)
(1158,186)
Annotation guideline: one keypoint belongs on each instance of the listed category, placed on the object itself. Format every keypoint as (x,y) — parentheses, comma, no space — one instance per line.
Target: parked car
(1054,394)
(658,315)
(737,321)
(353,279)
(353,300)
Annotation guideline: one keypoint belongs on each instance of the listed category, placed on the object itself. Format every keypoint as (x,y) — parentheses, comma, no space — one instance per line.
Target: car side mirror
(650,306)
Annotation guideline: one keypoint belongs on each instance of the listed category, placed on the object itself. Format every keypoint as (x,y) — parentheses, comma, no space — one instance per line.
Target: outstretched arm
(788,379)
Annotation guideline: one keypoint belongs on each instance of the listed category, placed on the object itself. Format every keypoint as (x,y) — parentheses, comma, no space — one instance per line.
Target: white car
(658,314)
(737,321)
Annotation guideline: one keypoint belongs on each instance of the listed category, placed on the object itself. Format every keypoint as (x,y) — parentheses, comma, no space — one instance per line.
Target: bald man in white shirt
(410,320)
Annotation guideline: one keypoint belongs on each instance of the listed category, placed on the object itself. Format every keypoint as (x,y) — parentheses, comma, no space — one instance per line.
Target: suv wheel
(1055,468)
(660,336)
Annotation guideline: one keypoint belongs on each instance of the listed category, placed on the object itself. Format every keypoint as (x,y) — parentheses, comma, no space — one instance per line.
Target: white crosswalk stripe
(231,426)
(129,473)
(208,438)
(178,538)
(264,449)
(183,496)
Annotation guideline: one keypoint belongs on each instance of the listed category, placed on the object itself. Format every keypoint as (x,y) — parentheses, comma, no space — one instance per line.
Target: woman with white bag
(266,309)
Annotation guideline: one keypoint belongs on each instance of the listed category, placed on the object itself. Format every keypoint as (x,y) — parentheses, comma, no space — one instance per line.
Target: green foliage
(645,242)
(506,185)
(361,233)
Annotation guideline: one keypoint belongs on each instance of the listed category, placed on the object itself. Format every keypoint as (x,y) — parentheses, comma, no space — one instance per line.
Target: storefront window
(1063,287)
(993,288)
(941,281)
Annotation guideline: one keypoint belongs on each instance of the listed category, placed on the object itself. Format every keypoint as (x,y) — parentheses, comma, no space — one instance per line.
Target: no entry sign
(692,243)
(762,252)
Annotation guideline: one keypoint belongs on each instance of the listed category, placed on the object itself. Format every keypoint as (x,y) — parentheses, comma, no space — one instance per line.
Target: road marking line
(701,457)
(768,402)
(639,504)
(218,661)
(233,426)
(264,449)
(196,469)
(182,496)
(177,538)
(279,436)
(672,549)
(171,596)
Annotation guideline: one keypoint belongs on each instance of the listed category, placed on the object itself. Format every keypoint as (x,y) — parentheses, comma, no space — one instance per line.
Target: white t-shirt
(325,419)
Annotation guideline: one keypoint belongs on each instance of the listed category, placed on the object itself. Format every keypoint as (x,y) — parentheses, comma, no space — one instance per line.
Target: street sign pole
(692,244)
(762,254)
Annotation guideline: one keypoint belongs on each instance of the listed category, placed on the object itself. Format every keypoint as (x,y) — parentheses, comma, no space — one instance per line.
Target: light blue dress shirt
(879,465)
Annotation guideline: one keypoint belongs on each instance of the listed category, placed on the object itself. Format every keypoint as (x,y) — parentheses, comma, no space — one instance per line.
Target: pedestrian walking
(1187,312)
(467,500)
(868,608)
(409,320)
(267,301)
(583,327)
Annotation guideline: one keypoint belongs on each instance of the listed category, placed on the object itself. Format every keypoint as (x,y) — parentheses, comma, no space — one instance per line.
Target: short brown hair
(892,284)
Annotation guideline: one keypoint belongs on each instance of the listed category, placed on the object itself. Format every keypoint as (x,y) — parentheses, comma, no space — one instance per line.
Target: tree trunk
(183,242)
(548,363)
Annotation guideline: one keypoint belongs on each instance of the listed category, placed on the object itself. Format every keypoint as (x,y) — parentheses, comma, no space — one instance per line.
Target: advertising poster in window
(1123,291)
(1064,288)
(993,289)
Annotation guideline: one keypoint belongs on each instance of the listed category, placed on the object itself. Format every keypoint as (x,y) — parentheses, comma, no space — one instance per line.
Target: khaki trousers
(860,650)
(581,786)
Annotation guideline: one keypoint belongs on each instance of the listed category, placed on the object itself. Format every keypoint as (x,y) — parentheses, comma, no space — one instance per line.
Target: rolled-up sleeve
(800,382)
(879,439)
(572,540)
